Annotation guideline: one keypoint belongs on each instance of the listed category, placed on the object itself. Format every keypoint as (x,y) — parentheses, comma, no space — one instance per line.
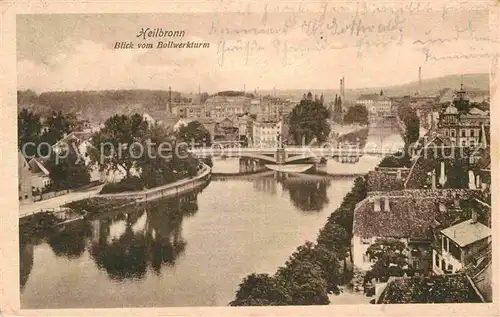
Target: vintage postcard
(309,158)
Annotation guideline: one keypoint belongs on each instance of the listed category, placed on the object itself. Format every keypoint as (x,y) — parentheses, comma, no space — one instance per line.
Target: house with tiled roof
(407,215)
(40,177)
(459,244)
(387,178)
(443,289)
(480,272)
(24,178)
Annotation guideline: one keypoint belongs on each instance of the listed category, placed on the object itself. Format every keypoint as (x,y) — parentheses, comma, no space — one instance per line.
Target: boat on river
(290,168)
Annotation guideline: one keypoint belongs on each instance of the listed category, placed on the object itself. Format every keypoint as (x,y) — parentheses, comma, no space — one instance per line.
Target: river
(189,251)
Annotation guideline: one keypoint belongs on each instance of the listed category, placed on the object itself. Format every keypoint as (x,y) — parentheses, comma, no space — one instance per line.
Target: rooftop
(452,288)
(467,232)
(411,213)
(385,180)
(374,97)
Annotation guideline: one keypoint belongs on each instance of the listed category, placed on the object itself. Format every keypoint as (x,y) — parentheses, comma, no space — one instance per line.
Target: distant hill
(97,106)
(430,87)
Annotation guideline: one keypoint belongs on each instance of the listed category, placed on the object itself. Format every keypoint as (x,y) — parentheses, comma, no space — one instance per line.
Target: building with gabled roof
(407,215)
(24,178)
(460,243)
(456,288)
(40,177)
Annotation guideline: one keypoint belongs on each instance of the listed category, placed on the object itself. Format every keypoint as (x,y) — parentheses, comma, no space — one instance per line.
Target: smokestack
(169,105)
(474,217)
(386,204)
(484,144)
(343,88)
(472,180)
(433,179)
(419,80)
(442,175)
(376,204)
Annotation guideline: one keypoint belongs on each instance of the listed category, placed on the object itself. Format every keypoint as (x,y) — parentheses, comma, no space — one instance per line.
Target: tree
(260,290)
(115,146)
(28,130)
(156,166)
(356,114)
(412,123)
(59,125)
(392,161)
(67,169)
(304,278)
(195,132)
(308,120)
(335,238)
(390,259)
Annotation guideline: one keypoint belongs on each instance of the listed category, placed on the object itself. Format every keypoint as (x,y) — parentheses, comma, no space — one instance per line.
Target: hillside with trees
(99,105)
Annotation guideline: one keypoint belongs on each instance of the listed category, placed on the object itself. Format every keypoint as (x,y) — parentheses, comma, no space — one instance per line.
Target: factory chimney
(419,91)
(169,105)
(343,89)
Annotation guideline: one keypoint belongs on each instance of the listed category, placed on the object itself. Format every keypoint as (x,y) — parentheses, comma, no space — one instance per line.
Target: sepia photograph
(265,154)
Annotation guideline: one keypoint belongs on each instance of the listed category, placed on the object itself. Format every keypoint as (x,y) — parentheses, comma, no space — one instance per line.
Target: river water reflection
(188,251)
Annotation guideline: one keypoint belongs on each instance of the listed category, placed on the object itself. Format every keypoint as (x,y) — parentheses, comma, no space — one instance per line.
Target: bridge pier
(280,156)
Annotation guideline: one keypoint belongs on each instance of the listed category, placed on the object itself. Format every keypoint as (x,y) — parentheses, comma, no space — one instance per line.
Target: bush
(132,183)
(96,204)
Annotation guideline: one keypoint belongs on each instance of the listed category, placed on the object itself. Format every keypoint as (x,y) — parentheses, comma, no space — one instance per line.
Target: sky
(291,50)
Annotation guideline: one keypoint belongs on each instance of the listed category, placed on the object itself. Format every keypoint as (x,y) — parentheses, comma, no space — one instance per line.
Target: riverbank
(168,190)
(91,201)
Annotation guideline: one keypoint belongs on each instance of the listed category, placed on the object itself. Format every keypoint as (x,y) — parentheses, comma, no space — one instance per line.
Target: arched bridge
(289,154)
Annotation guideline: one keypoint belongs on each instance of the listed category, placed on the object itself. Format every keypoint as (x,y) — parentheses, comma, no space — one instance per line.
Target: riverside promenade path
(179,187)
(168,190)
(55,202)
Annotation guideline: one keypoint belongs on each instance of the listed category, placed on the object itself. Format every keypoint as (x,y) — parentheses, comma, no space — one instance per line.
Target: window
(452,133)
(444,243)
(443,265)
(436,260)
(25,196)
(446,132)
(462,133)
(471,132)
(365,240)
(450,268)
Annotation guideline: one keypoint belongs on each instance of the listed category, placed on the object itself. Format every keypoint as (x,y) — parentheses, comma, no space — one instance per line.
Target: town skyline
(305,89)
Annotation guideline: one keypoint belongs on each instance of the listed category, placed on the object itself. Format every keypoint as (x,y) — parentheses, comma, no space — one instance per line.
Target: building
(465,129)
(406,215)
(460,243)
(189,111)
(24,179)
(40,177)
(265,133)
(387,178)
(227,106)
(377,104)
(451,289)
